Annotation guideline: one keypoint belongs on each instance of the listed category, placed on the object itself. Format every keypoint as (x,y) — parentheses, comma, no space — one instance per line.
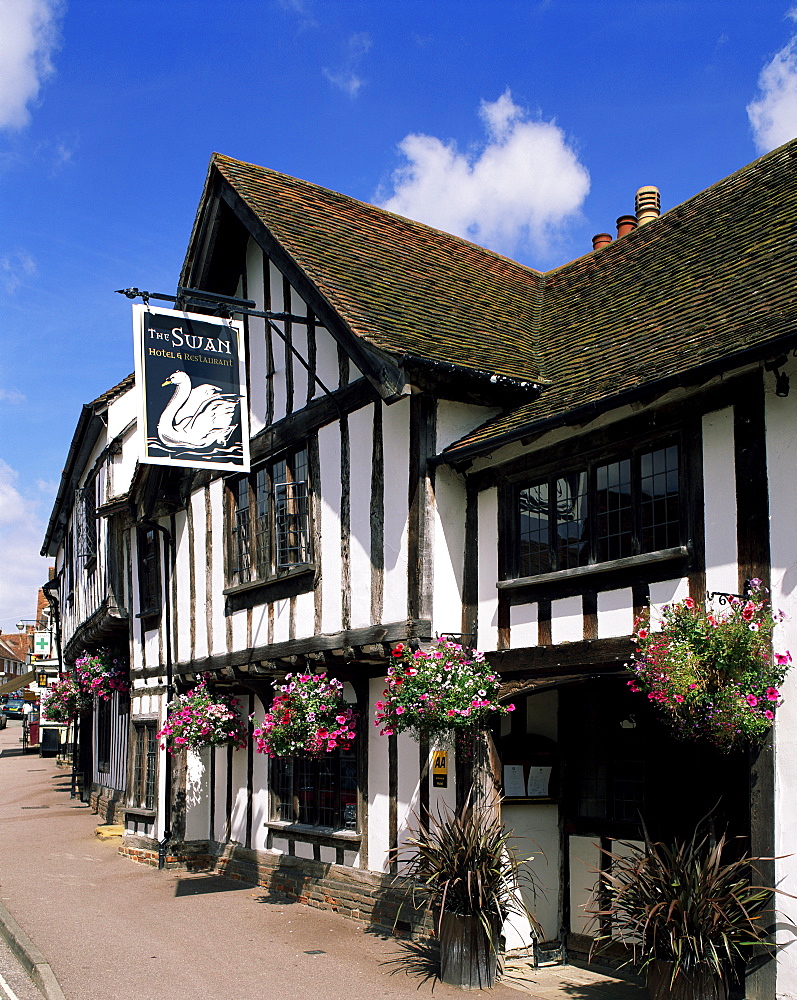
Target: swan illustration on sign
(197,417)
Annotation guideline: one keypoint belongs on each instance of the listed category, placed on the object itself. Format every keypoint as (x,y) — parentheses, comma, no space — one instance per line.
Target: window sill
(597,569)
(319,834)
(297,580)
(140,811)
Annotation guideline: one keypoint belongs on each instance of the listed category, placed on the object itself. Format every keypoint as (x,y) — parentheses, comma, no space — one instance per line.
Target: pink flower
(678,697)
(751,700)
(748,611)
(643,633)
(783,659)
(689,603)
(769,715)
(772,694)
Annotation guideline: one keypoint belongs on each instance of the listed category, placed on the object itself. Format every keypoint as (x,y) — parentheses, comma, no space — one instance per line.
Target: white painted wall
(449,550)
(523,625)
(487,637)
(197,799)
(329,454)
(395,429)
(782,474)
(378,800)
(567,620)
(258,379)
(584,863)
(615,613)
(720,501)
(361,425)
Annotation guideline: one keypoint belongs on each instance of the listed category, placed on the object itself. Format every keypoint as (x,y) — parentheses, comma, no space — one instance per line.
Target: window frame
(302,768)
(272,490)
(588,463)
(148,561)
(143,792)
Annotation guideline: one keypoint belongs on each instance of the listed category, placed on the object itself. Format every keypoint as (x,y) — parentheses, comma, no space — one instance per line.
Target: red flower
(399,649)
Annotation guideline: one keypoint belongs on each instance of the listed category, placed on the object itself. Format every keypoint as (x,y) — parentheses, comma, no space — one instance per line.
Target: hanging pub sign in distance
(191,386)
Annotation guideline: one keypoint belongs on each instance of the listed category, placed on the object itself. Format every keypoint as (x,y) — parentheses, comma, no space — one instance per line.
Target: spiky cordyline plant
(683,904)
(462,863)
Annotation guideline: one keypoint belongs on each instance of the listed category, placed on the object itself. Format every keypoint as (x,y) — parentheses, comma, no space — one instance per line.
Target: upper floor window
(603,511)
(269,520)
(86,502)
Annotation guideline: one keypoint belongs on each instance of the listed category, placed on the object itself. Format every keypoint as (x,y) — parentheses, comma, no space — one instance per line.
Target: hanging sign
(191,385)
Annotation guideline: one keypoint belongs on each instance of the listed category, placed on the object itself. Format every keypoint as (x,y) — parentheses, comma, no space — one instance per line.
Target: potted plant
(688,912)
(101,673)
(307,717)
(439,692)
(712,673)
(202,719)
(463,867)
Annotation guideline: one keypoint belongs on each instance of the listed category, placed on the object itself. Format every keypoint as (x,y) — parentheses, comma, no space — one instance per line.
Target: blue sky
(526,126)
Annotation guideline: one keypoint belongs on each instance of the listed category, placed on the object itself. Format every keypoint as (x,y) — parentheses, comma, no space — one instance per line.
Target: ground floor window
(103,717)
(145,760)
(316,792)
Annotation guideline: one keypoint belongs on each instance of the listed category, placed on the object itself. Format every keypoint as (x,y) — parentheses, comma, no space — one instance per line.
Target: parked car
(13,708)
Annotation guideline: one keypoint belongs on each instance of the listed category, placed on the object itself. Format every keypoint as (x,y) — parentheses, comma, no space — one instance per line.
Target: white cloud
(347,78)
(11,396)
(16,267)
(21,535)
(28,37)
(519,188)
(773,114)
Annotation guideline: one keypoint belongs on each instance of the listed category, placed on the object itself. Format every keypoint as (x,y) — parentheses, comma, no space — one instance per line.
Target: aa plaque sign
(191,384)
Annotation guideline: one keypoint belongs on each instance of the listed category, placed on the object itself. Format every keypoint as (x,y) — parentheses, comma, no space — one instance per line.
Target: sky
(525,126)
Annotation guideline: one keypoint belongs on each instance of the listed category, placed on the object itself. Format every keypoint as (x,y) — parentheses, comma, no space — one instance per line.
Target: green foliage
(713,674)
(462,863)
(688,904)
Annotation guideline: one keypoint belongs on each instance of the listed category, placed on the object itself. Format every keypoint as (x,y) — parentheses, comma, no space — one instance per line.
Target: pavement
(88,923)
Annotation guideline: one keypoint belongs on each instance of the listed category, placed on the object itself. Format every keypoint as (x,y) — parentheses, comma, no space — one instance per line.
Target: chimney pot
(626,224)
(648,204)
(601,240)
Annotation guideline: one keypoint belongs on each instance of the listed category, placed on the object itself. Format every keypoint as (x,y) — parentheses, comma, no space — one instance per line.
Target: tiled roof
(119,389)
(711,278)
(399,285)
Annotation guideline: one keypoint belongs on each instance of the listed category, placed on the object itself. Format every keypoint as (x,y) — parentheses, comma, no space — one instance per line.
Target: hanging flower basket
(100,674)
(439,692)
(308,717)
(712,673)
(201,719)
(64,701)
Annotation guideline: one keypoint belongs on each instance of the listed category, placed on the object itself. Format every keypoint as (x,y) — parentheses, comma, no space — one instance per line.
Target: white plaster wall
(258,380)
(200,541)
(260,625)
(182,635)
(329,456)
(304,615)
(217,566)
(238,620)
(326,359)
(409,775)
(395,429)
(487,637)
(615,613)
(454,420)
(260,791)
(781,415)
(299,340)
(361,425)
(120,412)
(567,620)
(378,799)
(239,797)
(449,550)
(665,593)
(720,501)
(220,802)
(197,799)
(523,625)
(278,344)
(282,620)
(584,862)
